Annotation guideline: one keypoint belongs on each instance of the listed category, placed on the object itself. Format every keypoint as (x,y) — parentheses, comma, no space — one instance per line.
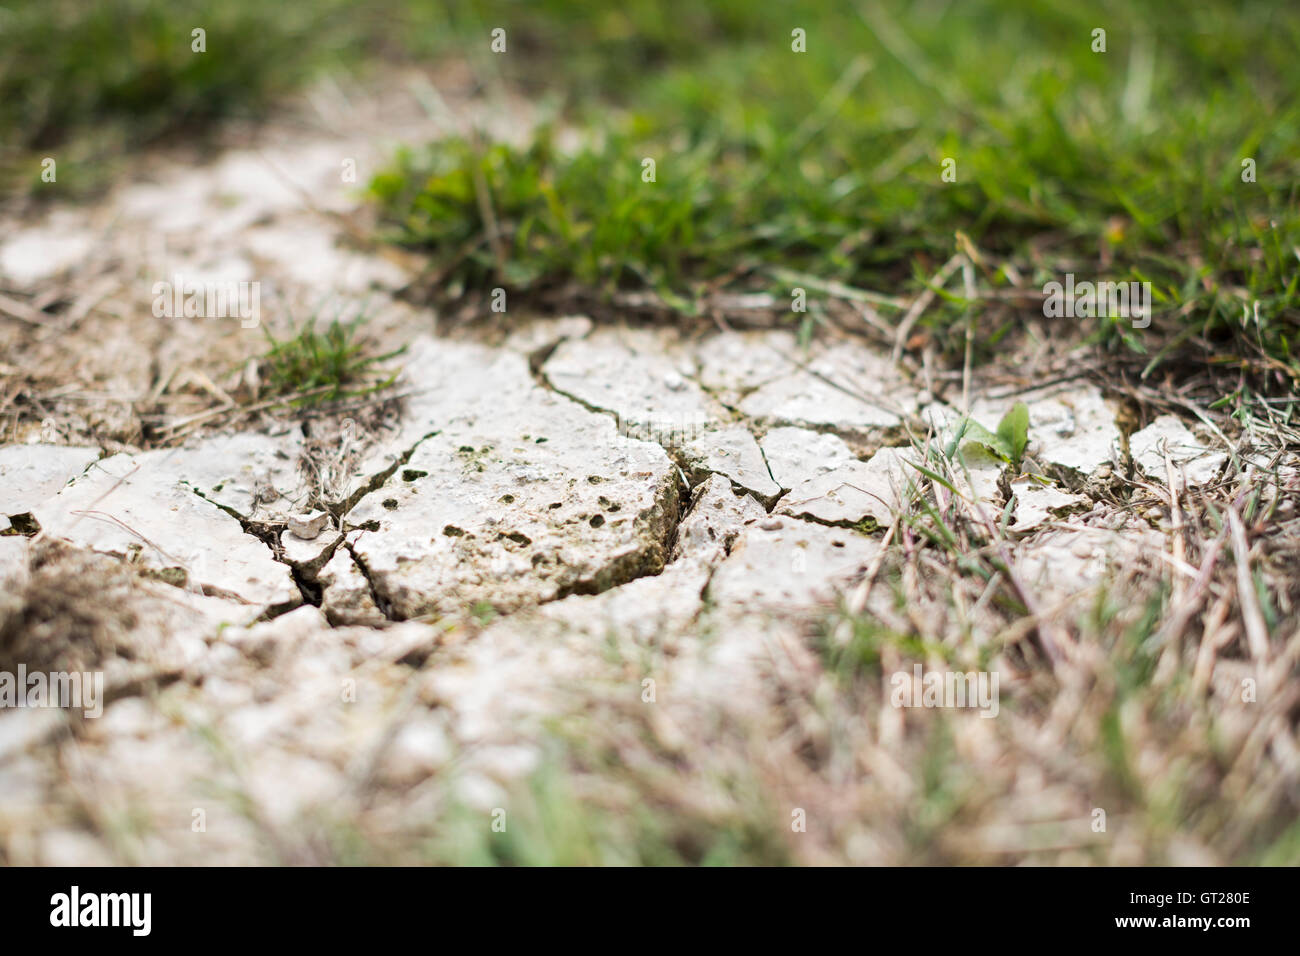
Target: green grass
(561,815)
(314,366)
(1117,165)
(84,82)
(851,644)
(548,823)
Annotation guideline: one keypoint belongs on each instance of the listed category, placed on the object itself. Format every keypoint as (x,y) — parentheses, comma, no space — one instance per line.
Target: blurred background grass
(1125,164)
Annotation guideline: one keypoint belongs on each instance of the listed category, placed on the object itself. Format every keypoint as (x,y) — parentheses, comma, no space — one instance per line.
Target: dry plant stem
(181,427)
(922,302)
(1176,528)
(968,281)
(1251,615)
(1214,638)
(838,289)
(1183,609)
(22,312)
(1052,637)
(857,602)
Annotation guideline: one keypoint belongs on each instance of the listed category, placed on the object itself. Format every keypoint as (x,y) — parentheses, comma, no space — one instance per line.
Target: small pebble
(307,526)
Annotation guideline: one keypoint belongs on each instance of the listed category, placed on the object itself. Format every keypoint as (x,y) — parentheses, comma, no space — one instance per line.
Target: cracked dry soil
(623,551)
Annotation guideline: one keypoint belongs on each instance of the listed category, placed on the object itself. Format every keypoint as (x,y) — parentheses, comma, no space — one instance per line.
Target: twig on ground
(922,302)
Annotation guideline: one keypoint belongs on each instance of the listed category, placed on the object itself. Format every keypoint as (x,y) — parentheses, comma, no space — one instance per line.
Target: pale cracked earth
(559,568)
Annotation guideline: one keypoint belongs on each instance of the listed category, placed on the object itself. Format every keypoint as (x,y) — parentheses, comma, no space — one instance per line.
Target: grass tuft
(325,366)
(1125,165)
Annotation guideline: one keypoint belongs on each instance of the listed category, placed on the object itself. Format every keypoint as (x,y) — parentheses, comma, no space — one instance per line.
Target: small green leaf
(1013,430)
(936,478)
(978,434)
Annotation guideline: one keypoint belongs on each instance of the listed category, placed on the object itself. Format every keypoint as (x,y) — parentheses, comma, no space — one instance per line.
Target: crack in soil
(304,574)
(624,569)
(340,509)
(382,602)
(684,465)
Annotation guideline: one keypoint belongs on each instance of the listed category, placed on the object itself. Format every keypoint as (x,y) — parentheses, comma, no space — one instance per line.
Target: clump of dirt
(71,611)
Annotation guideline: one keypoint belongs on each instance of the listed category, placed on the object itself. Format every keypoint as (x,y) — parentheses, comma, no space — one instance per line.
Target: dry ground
(640,592)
